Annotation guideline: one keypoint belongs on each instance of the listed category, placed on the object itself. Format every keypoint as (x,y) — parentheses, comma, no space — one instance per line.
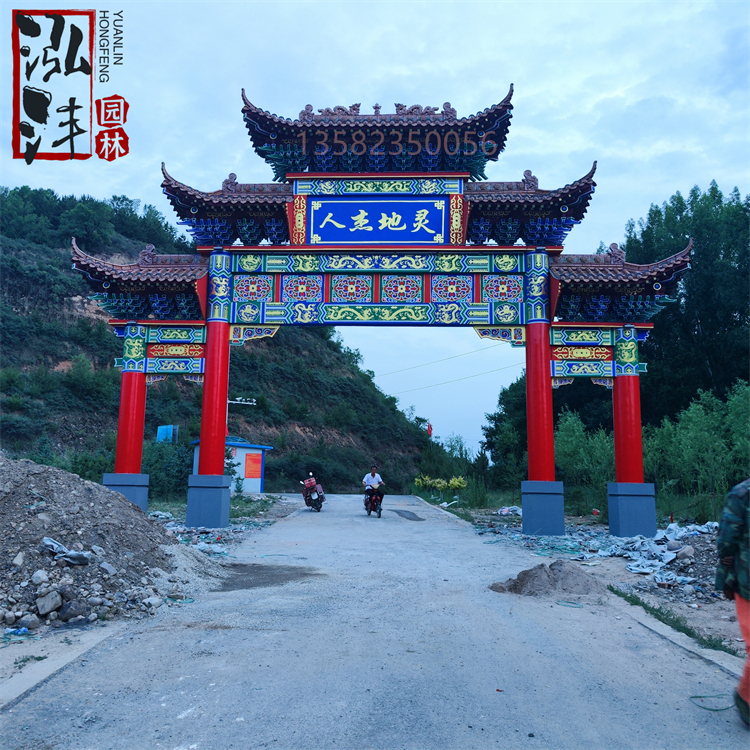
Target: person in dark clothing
(733,575)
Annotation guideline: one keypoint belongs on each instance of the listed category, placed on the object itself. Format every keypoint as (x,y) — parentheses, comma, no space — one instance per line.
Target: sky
(658,93)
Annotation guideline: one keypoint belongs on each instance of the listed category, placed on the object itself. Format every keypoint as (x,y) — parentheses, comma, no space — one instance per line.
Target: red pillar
(129,451)
(215,390)
(626,403)
(539,421)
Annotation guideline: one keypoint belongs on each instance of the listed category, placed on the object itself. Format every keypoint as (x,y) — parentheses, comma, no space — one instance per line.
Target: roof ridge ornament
(616,254)
(230,184)
(147,256)
(415,110)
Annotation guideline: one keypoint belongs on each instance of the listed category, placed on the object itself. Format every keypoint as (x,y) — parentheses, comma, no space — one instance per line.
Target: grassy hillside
(59,392)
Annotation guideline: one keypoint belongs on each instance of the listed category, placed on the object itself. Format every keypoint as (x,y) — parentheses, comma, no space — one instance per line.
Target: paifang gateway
(386,219)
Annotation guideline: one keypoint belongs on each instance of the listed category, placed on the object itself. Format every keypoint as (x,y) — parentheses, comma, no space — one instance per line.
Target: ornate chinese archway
(386,220)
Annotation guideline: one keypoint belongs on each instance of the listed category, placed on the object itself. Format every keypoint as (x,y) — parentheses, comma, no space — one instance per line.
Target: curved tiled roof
(149,267)
(232,192)
(350,116)
(526,191)
(608,268)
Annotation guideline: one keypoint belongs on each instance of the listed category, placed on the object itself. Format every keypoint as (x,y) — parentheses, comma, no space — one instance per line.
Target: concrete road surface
(348,631)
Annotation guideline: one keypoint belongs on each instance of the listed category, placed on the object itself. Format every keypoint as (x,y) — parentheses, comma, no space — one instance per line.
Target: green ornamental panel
(411,262)
(582,336)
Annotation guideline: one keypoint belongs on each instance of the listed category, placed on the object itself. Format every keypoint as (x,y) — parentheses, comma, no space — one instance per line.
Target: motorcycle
(312,493)
(373,503)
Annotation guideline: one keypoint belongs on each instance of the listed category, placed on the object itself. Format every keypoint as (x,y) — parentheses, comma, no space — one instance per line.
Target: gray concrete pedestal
(632,509)
(208,501)
(133,486)
(543,508)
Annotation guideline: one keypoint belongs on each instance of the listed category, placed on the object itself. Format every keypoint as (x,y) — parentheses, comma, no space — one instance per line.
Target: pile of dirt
(543,580)
(128,563)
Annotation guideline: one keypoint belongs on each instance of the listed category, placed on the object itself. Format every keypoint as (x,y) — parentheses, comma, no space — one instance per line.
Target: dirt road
(339,630)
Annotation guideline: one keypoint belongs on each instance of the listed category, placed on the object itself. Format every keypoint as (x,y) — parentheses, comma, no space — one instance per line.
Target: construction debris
(76,551)
(560,576)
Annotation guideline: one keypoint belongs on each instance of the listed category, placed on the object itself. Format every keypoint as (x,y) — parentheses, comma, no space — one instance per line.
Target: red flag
(429,430)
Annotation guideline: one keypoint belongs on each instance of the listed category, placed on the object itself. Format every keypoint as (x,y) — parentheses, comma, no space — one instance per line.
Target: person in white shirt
(374,484)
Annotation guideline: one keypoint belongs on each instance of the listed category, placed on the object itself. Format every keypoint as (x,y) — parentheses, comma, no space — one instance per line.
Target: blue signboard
(355,220)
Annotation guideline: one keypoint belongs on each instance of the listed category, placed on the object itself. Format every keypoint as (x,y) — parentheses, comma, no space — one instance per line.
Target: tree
(90,222)
(701,341)
(505,436)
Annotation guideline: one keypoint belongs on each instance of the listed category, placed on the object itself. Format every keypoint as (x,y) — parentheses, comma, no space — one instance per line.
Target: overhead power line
(445,359)
(468,377)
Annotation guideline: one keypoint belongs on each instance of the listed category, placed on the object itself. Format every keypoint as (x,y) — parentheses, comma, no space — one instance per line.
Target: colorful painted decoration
(582,336)
(451,288)
(582,353)
(606,382)
(351,288)
(238,335)
(514,335)
(558,382)
(502,288)
(302,289)
(378,221)
(401,289)
(175,350)
(252,288)
(568,369)
(359,186)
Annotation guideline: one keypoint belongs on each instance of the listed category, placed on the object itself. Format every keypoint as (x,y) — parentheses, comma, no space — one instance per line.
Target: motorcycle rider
(374,484)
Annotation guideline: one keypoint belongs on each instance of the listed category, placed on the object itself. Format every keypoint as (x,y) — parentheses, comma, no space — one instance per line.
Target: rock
(98,551)
(109,569)
(40,577)
(32,622)
(673,545)
(10,618)
(72,609)
(44,517)
(688,590)
(685,553)
(18,560)
(49,603)
(153,601)
(93,617)
(67,592)
(95,601)
(52,616)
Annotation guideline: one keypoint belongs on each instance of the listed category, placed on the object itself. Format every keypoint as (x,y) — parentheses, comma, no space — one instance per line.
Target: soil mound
(559,577)
(124,547)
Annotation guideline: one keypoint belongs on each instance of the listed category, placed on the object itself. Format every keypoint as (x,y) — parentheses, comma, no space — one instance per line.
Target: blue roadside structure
(249,460)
